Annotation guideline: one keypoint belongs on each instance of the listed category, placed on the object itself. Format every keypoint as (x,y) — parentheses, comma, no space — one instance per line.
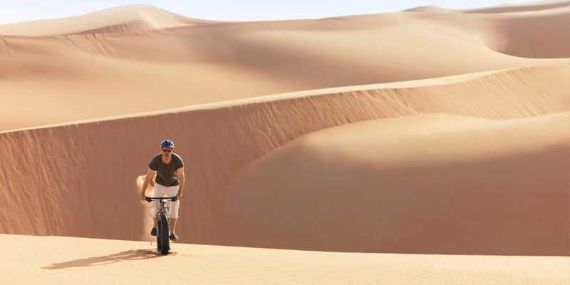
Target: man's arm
(149,177)
(181,181)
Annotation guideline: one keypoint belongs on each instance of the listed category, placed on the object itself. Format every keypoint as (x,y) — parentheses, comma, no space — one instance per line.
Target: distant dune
(429,131)
(519,8)
(138,58)
(134,18)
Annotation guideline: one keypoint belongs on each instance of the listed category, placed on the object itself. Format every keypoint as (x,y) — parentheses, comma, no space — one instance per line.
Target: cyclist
(169,170)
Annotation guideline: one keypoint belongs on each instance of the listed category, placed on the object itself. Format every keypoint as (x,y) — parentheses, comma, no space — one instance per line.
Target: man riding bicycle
(169,170)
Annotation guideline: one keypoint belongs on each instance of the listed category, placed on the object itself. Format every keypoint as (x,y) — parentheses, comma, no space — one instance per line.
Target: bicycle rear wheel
(162,236)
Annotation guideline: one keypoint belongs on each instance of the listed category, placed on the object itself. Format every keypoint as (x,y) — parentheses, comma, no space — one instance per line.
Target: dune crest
(133,18)
(430,9)
(521,8)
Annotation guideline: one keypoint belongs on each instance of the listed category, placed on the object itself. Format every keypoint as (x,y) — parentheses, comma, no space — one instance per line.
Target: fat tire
(162,235)
(158,239)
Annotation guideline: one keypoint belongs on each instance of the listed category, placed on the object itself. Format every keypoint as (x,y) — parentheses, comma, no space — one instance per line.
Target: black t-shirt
(166,173)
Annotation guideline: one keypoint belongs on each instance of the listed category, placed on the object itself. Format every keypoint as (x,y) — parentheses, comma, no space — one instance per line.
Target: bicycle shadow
(129,255)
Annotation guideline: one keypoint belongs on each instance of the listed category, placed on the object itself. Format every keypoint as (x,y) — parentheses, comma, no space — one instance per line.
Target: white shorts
(168,191)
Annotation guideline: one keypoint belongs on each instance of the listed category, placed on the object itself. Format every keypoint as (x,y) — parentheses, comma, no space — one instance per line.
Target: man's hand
(147,180)
(182,181)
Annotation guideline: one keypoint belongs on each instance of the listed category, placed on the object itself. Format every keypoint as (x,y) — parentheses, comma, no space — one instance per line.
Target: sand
(457,185)
(138,59)
(425,145)
(205,132)
(127,262)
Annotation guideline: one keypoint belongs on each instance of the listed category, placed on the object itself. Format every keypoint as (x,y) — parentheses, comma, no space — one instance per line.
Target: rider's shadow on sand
(128,255)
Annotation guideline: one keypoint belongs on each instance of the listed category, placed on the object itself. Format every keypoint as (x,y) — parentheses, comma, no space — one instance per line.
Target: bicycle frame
(162,214)
(163,206)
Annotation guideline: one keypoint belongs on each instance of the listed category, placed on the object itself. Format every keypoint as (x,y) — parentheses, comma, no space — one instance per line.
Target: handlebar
(148,199)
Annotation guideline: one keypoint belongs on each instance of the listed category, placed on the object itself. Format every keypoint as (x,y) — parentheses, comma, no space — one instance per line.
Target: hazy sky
(24,10)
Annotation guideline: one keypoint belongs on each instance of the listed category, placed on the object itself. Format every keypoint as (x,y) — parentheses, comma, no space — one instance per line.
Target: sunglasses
(166,150)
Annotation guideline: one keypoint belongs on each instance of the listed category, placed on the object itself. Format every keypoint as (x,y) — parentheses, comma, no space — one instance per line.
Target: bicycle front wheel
(162,236)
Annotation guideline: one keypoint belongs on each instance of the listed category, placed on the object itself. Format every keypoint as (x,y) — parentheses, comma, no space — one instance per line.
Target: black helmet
(167,144)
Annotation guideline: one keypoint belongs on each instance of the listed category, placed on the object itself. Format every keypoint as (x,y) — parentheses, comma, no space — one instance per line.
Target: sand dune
(427,184)
(98,70)
(429,131)
(526,7)
(532,35)
(134,18)
(254,129)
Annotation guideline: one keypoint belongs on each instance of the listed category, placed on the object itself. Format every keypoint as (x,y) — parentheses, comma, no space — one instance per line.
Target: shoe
(153,232)
(173,237)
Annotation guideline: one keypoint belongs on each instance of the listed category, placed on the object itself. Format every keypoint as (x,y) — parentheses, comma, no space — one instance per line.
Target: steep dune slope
(81,181)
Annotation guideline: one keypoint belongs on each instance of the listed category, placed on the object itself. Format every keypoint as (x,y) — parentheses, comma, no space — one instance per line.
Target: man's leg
(159,191)
(173,225)
(173,215)
(174,208)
